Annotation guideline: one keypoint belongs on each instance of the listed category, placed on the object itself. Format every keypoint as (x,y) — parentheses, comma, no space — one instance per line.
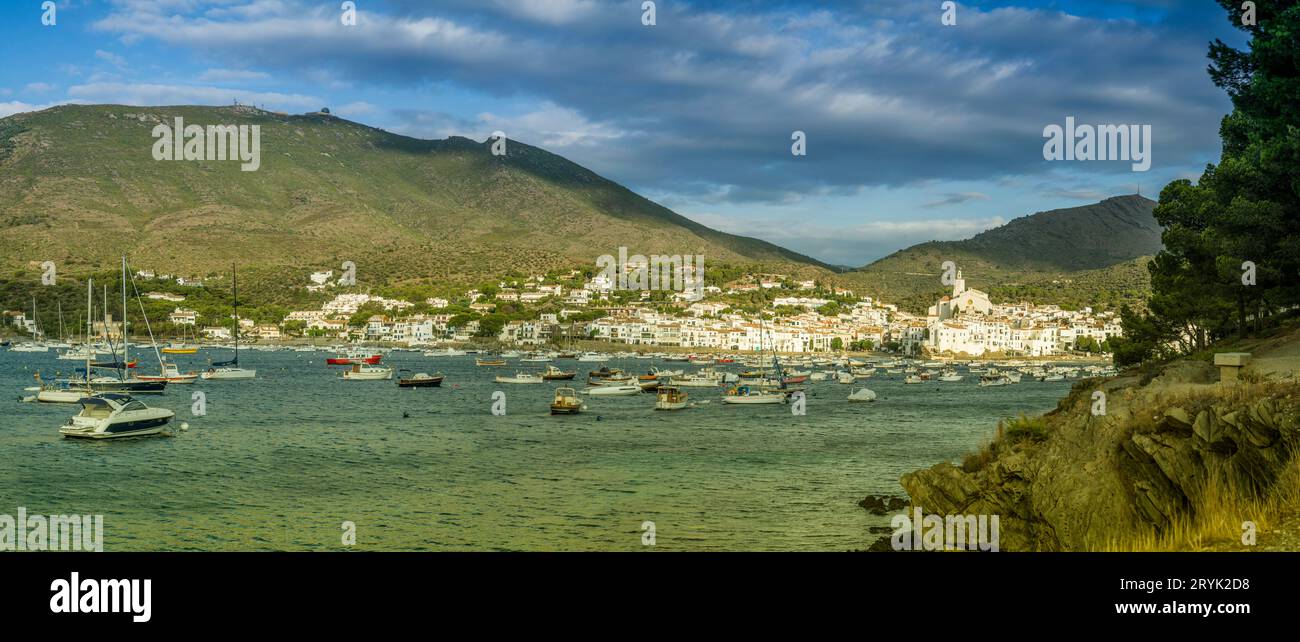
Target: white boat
(1014,377)
(226,373)
(230,370)
(535,358)
(988,381)
(913,379)
(846,378)
(366,372)
(111,415)
(612,391)
(748,395)
(951,377)
(862,395)
(671,398)
(449,352)
(819,376)
(592,357)
(171,374)
(79,354)
(30,347)
(522,377)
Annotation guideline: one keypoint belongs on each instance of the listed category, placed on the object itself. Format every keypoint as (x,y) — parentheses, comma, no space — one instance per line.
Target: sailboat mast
(90,325)
(234,277)
(125,340)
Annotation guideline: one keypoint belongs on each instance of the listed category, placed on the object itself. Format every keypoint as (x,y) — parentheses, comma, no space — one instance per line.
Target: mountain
(1089,255)
(79,186)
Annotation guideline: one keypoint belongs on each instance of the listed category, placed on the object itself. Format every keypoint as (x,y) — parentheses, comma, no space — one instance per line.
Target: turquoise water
(281,462)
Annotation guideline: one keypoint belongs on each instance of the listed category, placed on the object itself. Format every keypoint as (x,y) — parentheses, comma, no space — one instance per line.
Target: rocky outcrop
(1141,466)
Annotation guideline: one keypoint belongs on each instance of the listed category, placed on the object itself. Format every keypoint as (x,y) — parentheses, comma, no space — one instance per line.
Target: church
(961,301)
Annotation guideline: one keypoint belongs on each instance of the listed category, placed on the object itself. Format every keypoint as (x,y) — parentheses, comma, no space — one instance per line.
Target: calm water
(280,462)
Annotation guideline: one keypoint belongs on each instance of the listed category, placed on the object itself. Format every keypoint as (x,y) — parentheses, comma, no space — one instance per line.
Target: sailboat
(70,391)
(225,370)
(38,342)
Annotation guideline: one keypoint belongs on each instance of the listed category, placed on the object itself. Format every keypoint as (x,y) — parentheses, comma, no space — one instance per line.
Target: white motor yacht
(112,415)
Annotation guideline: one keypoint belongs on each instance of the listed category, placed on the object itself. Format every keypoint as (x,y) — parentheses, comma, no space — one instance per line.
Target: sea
(300,460)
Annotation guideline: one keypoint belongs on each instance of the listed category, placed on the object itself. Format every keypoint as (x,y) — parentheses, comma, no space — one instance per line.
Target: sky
(914,130)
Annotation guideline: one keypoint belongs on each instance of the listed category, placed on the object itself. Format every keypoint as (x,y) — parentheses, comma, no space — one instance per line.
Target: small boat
(862,395)
(449,352)
(230,370)
(951,377)
(845,378)
(366,372)
(354,357)
(83,353)
(555,374)
(748,395)
(913,379)
(671,398)
(656,374)
(420,380)
(112,415)
(566,402)
(489,362)
(520,377)
(605,373)
(592,357)
(535,357)
(613,391)
(171,374)
(179,348)
(987,381)
(30,347)
(795,379)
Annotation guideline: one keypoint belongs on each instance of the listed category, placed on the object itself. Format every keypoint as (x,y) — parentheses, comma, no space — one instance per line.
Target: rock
(882,545)
(882,504)
(1177,420)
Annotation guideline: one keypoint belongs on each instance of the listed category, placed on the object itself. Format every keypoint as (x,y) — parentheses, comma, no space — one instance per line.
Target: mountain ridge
(328,189)
(1051,245)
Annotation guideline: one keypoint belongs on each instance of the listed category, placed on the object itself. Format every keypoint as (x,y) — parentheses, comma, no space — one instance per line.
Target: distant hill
(1089,255)
(79,186)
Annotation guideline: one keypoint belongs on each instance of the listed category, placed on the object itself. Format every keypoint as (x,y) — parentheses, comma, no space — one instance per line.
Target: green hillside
(79,186)
(1092,255)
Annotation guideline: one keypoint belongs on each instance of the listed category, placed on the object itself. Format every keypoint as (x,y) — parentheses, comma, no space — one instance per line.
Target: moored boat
(671,398)
(111,415)
(366,372)
(520,377)
(420,380)
(566,402)
(555,374)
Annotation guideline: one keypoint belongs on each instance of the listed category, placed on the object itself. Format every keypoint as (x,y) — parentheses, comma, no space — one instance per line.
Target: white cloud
(111,58)
(38,87)
(18,107)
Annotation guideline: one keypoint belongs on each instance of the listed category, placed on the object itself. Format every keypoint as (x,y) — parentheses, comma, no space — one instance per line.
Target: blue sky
(916,130)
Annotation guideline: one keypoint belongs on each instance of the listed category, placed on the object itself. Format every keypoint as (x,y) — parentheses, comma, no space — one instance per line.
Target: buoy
(185,425)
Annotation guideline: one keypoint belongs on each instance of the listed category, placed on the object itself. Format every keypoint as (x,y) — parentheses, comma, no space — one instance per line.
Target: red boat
(350,359)
(796,379)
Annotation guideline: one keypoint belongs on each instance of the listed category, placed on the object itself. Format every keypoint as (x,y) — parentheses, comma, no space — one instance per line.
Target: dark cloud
(703,104)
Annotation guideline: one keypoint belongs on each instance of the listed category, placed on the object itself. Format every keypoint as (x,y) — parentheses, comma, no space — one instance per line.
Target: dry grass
(1215,522)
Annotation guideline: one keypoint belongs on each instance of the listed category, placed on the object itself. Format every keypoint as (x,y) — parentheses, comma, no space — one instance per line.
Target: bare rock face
(1142,465)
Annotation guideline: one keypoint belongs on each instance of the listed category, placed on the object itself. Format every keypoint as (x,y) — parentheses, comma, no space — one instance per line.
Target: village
(803,317)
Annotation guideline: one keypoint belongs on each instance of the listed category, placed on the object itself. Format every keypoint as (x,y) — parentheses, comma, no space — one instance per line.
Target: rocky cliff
(1177,460)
